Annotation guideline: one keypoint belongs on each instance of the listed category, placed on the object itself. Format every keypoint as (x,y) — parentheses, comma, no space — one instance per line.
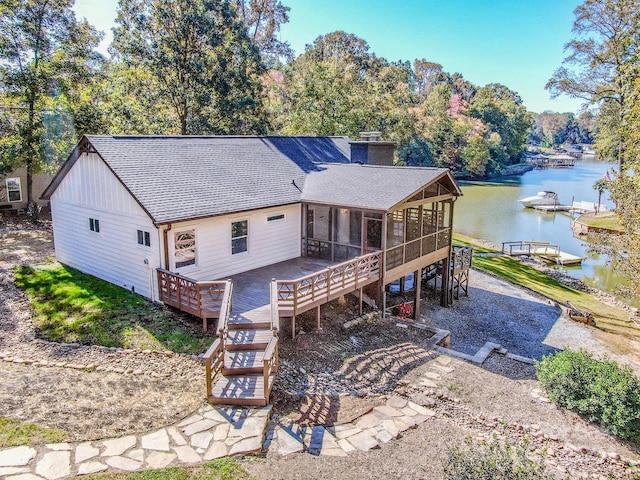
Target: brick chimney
(371,150)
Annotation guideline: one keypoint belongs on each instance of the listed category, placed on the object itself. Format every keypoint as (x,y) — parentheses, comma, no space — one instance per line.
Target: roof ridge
(155,137)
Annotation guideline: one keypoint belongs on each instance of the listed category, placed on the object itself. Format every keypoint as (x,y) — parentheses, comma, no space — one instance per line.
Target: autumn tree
(45,54)
(199,57)
(502,110)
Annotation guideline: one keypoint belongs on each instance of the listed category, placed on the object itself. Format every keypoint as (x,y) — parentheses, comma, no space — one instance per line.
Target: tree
(336,87)
(43,50)
(502,109)
(201,59)
(602,62)
(606,56)
(263,19)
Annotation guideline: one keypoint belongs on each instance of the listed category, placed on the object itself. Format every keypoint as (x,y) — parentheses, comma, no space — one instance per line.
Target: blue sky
(518,43)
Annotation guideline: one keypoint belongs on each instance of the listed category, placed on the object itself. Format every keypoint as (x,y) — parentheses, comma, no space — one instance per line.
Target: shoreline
(575,283)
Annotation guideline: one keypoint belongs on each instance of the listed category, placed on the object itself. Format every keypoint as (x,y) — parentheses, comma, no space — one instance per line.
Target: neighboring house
(13,190)
(168,216)
(211,207)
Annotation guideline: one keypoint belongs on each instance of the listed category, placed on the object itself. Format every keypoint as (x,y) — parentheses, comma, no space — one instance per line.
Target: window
(144,238)
(14,192)
(185,248)
(94,225)
(273,218)
(239,235)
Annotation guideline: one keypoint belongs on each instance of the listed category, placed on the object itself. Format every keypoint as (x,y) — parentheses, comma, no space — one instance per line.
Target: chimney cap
(370,136)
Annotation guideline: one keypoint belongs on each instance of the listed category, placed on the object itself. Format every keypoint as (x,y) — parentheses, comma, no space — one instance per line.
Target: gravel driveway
(499,312)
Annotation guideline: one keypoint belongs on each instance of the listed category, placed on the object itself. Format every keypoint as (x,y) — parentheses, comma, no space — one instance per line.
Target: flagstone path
(213,432)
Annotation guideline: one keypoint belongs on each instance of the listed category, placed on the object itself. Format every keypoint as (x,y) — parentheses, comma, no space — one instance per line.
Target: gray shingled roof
(366,186)
(180,178)
(176,178)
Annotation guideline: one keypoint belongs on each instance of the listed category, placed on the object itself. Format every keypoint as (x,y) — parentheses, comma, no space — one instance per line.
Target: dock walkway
(544,250)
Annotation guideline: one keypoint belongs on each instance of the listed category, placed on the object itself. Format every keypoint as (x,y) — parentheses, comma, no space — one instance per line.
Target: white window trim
(246,252)
(143,245)
(93,232)
(19,189)
(184,268)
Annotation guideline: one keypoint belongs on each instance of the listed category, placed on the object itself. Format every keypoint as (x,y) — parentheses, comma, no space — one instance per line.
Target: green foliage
(14,433)
(491,461)
(201,61)
(600,390)
(263,19)
(71,306)
(552,129)
(45,54)
(601,68)
(336,87)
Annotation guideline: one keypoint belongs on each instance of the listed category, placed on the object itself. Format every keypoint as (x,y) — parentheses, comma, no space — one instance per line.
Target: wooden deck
(241,364)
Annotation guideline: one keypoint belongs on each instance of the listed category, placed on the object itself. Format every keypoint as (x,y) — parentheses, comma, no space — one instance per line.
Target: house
(13,190)
(166,217)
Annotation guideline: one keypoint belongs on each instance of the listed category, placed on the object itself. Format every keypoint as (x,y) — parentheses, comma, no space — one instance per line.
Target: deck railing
(409,251)
(302,294)
(530,248)
(203,299)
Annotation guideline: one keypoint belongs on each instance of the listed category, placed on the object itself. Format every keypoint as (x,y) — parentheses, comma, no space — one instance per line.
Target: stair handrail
(213,363)
(275,313)
(225,311)
(269,366)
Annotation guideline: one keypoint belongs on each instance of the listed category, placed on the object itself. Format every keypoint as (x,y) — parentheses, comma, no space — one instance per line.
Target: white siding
(268,242)
(90,190)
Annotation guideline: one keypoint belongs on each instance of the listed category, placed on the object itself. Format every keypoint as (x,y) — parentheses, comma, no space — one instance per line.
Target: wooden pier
(544,250)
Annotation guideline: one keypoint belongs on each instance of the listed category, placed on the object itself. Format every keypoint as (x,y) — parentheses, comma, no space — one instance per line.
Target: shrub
(600,390)
(491,462)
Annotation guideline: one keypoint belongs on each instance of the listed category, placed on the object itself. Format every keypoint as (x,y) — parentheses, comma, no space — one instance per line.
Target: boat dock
(544,250)
(575,207)
(552,161)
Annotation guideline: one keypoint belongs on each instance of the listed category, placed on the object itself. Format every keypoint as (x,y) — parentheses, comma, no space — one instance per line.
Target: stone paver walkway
(212,432)
(381,425)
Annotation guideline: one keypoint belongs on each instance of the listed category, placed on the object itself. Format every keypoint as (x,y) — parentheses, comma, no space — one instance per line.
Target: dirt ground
(498,398)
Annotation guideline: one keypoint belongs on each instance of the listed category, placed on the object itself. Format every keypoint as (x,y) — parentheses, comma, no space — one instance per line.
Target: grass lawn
(607,220)
(221,469)
(14,433)
(608,318)
(71,306)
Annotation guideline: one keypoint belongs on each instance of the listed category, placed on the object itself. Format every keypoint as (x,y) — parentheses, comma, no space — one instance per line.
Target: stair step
(244,324)
(239,362)
(239,390)
(248,339)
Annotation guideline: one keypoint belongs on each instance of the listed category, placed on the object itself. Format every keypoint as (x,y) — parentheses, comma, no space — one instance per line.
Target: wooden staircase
(242,363)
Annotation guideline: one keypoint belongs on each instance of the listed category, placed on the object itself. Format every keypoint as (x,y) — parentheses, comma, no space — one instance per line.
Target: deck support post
(318,317)
(360,302)
(384,302)
(418,284)
(293,327)
(446,269)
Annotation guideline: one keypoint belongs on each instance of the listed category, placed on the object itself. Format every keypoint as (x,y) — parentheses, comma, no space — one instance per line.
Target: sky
(518,43)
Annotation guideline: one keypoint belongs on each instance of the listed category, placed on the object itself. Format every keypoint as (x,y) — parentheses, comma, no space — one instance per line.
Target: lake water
(490,210)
